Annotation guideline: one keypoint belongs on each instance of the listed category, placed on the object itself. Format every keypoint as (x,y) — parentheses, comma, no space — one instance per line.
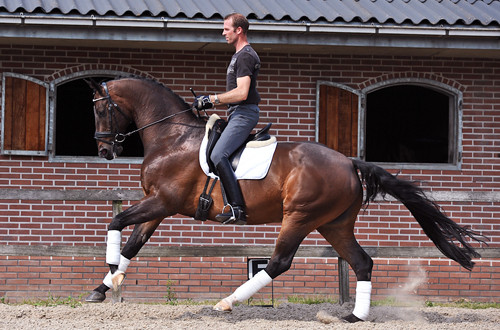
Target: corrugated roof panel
(286,8)
(421,13)
(223,7)
(463,12)
(415,11)
(256,8)
(327,10)
(309,9)
(485,13)
(442,13)
(187,8)
(346,13)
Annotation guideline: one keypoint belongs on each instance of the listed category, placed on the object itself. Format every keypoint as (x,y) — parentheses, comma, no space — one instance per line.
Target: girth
(214,134)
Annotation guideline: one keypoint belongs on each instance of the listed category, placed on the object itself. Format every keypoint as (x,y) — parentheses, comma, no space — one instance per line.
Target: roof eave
(131,30)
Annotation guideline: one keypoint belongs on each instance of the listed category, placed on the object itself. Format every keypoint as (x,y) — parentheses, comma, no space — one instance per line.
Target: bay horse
(308,187)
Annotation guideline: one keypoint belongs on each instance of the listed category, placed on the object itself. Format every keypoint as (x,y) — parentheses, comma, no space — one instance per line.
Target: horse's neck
(152,105)
(181,130)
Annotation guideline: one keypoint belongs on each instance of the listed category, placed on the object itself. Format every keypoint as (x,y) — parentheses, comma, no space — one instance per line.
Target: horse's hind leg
(287,244)
(339,233)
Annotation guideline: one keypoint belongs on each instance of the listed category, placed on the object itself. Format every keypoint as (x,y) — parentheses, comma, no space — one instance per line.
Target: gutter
(299,27)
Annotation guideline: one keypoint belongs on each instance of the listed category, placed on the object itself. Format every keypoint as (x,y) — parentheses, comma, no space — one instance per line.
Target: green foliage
(464,303)
(171,296)
(52,301)
(311,300)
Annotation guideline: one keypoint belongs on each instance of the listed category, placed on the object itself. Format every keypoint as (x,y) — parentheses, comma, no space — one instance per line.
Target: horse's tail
(442,231)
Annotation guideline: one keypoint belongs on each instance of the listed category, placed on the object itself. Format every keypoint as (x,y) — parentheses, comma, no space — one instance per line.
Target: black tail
(443,231)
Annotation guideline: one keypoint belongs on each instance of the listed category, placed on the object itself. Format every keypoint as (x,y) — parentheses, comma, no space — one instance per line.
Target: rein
(120,137)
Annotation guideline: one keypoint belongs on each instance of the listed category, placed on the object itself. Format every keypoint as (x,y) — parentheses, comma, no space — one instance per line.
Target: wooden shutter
(338,119)
(24,115)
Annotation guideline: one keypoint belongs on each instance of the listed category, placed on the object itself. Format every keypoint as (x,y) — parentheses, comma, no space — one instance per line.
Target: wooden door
(338,119)
(24,116)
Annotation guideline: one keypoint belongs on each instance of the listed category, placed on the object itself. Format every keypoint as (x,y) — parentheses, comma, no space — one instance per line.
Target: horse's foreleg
(287,244)
(118,262)
(140,235)
(146,210)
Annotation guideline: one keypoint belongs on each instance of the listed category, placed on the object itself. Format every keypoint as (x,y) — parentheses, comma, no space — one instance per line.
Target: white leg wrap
(107,280)
(113,247)
(122,266)
(250,287)
(363,293)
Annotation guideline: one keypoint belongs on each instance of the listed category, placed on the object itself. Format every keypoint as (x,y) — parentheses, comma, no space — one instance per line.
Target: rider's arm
(240,93)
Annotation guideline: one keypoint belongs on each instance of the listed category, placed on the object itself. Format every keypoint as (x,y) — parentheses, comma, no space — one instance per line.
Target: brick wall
(287,84)
(210,278)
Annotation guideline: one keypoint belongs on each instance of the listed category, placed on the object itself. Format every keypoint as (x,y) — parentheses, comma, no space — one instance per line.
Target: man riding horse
(242,101)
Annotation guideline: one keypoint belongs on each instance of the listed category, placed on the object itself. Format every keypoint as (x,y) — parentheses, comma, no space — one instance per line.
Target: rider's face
(230,32)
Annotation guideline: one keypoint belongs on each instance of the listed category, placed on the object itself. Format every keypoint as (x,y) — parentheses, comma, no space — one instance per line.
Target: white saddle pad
(255,159)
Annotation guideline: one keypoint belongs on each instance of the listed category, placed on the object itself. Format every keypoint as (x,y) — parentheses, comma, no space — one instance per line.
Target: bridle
(119,138)
(111,107)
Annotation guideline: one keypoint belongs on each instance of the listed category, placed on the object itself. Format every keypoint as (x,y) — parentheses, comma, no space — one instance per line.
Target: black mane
(159,84)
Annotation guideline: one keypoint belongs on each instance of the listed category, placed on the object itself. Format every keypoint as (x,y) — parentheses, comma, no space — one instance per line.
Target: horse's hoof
(117,279)
(223,306)
(351,318)
(95,297)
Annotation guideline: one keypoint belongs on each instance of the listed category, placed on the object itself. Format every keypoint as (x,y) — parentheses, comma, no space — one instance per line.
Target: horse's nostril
(103,153)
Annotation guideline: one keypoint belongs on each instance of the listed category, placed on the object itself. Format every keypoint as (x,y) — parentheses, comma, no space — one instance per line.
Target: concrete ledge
(228,251)
(136,194)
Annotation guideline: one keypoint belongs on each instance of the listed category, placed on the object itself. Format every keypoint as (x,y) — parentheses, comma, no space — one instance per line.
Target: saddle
(257,152)
(216,126)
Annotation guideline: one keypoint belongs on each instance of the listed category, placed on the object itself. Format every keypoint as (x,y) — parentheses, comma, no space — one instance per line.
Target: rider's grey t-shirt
(244,63)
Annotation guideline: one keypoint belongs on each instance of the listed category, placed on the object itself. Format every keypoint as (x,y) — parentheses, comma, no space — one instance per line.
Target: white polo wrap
(123,265)
(363,293)
(250,287)
(113,247)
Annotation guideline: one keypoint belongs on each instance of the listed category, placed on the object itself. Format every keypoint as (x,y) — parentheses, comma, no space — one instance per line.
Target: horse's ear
(93,84)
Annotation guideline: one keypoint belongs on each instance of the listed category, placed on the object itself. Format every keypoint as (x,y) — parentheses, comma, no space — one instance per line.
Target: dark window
(409,124)
(75,124)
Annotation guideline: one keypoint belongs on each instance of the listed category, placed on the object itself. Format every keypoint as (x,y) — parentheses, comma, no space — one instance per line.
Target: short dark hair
(239,21)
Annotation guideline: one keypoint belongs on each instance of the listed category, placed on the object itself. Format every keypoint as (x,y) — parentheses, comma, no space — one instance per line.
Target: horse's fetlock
(275,268)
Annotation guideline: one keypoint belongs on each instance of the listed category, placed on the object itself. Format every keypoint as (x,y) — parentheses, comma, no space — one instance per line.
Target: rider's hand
(202,102)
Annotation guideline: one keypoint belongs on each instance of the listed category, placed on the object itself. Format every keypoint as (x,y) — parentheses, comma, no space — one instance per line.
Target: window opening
(75,123)
(409,124)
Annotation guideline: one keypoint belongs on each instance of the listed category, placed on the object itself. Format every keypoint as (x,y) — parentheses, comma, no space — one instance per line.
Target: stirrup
(230,217)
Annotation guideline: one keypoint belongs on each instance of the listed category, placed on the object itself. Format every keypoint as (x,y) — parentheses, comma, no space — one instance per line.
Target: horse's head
(110,120)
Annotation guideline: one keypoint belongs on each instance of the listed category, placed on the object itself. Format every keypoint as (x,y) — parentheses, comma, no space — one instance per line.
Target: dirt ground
(285,316)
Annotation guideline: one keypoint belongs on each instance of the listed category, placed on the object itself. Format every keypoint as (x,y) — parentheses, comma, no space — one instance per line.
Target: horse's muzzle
(110,152)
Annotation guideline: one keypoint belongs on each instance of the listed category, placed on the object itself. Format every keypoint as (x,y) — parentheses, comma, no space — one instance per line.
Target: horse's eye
(100,111)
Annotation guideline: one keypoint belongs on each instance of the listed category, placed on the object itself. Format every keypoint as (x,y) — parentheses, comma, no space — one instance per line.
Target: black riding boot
(236,214)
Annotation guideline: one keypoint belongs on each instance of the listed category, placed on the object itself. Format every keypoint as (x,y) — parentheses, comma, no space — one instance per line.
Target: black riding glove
(202,102)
